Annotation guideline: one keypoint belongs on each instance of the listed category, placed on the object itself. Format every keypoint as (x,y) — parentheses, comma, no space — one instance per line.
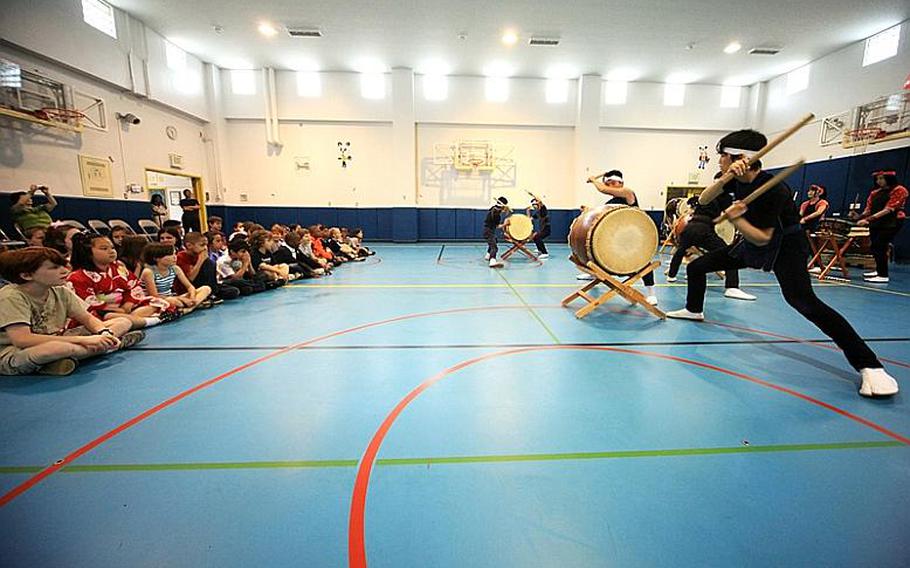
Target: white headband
(739,152)
(613,178)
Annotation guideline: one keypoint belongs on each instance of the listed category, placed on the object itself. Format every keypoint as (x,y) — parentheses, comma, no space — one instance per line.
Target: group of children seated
(73,294)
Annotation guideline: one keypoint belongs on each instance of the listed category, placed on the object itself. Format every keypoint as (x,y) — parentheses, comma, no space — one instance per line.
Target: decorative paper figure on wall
(703,158)
(345,150)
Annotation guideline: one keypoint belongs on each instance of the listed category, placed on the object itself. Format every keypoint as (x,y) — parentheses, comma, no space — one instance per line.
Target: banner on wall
(96,176)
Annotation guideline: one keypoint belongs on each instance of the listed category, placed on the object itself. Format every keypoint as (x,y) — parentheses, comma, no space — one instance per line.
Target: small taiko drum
(725,229)
(619,239)
(518,227)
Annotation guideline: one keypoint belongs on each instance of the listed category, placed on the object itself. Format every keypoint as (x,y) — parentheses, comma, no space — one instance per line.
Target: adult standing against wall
(26,214)
(191,208)
(884,214)
(159,210)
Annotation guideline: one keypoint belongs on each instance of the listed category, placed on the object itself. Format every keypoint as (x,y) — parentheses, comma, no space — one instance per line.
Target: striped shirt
(165,284)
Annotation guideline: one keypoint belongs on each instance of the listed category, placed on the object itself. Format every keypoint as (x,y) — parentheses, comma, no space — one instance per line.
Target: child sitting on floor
(108,286)
(35,310)
(201,270)
(161,272)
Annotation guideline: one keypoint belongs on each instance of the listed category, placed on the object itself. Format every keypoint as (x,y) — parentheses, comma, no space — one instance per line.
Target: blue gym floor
(421,409)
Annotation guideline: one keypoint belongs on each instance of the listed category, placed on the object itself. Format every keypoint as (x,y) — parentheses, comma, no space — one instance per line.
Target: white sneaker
(583,276)
(542,256)
(652,300)
(737,294)
(671,279)
(486,256)
(815,270)
(494,263)
(686,315)
(876,279)
(870,274)
(877,382)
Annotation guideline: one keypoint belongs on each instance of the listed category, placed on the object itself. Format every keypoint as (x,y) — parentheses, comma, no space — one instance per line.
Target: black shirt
(542,215)
(257,258)
(493,218)
(622,201)
(189,215)
(773,209)
(710,211)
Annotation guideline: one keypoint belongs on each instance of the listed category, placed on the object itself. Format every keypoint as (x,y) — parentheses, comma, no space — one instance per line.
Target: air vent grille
(304,32)
(547,41)
(764,51)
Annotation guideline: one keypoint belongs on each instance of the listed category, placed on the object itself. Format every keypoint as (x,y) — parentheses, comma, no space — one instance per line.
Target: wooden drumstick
(765,187)
(712,191)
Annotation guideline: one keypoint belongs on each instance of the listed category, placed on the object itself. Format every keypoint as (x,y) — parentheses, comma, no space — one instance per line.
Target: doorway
(171,185)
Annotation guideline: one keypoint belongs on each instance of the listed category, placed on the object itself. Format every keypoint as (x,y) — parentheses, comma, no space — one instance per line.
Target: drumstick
(766,186)
(712,191)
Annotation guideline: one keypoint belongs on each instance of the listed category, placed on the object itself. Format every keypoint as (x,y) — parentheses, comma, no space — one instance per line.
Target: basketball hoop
(64,115)
(862,136)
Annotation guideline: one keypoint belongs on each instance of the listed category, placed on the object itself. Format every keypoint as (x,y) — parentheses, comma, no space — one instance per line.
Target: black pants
(881,238)
(489,235)
(208,277)
(796,287)
(703,236)
(244,286)
(539,237)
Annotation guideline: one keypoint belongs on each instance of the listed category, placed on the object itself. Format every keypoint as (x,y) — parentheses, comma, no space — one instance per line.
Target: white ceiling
(596,36)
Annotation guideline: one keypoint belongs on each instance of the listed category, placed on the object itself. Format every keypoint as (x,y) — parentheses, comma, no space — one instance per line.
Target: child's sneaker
(58,368)
(131,338)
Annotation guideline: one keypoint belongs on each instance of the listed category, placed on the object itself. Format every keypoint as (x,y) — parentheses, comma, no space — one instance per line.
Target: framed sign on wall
(96,176)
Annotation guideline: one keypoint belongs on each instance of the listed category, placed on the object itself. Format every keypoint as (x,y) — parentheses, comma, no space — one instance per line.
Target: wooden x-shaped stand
(837,253)
(623,288)
(519,246)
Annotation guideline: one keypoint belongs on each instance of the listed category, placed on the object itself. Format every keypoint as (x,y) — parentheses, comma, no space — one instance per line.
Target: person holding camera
(26,214)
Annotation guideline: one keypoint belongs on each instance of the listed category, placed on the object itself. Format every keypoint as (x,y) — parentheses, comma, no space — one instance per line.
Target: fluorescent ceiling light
(733,47)
(509,37)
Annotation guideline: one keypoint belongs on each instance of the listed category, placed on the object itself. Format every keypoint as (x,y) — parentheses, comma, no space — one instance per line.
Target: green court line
(530,309)
(503,458)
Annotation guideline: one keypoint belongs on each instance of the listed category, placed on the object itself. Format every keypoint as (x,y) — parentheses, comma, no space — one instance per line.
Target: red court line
(7,497)
(356,539)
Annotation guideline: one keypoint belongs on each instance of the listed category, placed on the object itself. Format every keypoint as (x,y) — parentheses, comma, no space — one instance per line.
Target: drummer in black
(699,232)
(539,211)
(773,240)
(611,183)
(491,222)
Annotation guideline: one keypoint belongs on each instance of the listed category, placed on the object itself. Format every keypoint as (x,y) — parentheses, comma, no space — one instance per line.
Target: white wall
(653,159)
(837,82)
(543,162)
(55,30)
(274,179)
(36,154)
(645,109)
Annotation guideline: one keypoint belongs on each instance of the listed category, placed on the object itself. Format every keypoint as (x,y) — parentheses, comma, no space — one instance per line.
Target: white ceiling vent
(764,51)
(304,32)
(549,41)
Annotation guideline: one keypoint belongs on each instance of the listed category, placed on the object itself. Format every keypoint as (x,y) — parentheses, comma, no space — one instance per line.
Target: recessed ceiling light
(509,37)
(732,47)
(267,29)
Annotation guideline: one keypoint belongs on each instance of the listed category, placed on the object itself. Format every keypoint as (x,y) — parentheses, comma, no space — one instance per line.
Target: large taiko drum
(518,227)
(619,239)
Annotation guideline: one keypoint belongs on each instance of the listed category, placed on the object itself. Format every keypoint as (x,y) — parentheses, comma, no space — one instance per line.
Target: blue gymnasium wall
(849,179)
(845,178)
